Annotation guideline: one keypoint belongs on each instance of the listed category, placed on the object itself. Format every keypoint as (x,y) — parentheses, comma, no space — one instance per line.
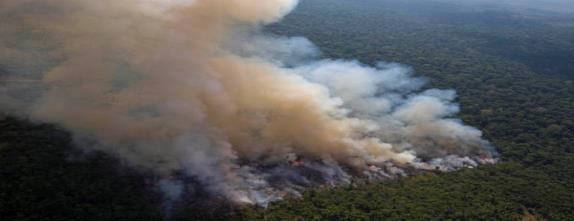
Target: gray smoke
(192,87)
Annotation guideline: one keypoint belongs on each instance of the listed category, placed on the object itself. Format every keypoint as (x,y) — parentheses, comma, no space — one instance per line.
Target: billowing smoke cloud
(191,87)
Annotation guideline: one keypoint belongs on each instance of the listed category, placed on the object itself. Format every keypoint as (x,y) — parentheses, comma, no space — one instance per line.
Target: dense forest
(513,71)
(513,76)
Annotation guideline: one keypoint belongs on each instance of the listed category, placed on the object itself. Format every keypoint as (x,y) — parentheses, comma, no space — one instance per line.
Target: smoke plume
(193,87)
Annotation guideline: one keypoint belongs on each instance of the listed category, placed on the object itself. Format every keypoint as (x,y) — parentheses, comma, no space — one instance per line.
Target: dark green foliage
(513,73)
(41,180)
(498,192)
(525,111)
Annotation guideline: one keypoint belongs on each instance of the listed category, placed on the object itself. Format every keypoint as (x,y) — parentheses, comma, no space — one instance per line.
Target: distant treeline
(513,73)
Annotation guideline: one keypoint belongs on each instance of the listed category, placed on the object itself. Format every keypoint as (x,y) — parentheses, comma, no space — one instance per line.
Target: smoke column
(192,87)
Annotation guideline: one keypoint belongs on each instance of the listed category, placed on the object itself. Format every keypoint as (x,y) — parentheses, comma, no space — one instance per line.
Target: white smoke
(192,87)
